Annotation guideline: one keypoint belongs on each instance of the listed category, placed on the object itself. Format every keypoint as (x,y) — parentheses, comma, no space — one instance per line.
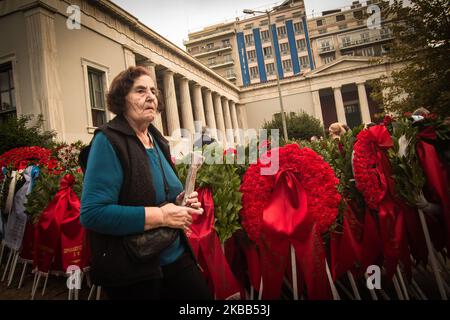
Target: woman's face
(142,101)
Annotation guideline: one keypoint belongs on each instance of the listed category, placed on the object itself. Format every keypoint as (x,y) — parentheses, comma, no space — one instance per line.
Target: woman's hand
(179,217)
(192,200)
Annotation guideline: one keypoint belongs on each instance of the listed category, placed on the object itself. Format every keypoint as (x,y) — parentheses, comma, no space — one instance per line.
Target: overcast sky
(173,19)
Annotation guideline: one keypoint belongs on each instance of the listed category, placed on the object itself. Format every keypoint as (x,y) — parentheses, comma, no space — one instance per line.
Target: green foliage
(22,132)
(338,153)
(408,173)
(45,189)
(422,33)
(224,181)
(300,126)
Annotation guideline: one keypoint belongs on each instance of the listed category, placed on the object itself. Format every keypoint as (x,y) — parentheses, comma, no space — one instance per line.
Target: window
(365,37)
(304,61)
(254,72)
(97,96)
(320,23)
(225,42)
(281,31)
(284,47)
(209,45)
(265,35)
(340,17)
(367,52)
(229,73)
(298,27)
(358,14)
(248,26)
(193,49)
(346,42)
(227,58)
(249,39)
(251,55)
(211,61)
(287,65)
(328,59)
(385,33)
(270,68)
(301,44)
(7,94)
(267,51)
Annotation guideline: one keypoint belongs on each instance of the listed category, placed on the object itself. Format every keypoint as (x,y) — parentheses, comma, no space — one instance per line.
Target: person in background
(336,130)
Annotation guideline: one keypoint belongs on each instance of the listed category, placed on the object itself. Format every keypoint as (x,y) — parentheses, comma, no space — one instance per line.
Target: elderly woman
(131,186)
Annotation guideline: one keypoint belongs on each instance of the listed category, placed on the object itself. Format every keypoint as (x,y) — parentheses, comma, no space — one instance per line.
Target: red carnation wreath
(366,173)
(19,158)
(316,176)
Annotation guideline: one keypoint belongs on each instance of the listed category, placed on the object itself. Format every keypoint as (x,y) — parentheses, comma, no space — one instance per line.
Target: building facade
(53,67)
(359,30)
(49,65)
(242,50)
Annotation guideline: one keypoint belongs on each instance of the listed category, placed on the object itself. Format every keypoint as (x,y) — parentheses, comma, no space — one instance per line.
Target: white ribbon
(17,220)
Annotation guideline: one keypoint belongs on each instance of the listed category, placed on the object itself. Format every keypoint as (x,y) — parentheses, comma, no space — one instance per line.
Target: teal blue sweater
(103,179)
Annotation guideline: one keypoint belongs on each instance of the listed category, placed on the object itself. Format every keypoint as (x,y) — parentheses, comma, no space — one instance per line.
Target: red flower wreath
(316,176)
(365,169)
(19,158)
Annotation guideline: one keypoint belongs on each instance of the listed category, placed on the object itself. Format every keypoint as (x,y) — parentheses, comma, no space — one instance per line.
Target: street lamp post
(283,116)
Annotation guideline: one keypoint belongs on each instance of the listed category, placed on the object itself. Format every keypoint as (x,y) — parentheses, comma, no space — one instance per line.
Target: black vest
(110,263)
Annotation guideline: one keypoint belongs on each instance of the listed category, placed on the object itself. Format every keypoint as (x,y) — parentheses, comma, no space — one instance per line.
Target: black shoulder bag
(147,245)
(144,246)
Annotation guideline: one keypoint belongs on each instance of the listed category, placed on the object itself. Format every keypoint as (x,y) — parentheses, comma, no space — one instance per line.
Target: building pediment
(342,64)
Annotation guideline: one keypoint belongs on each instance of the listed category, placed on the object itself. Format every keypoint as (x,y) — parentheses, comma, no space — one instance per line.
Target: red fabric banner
(207,248)
(286,222)
(391,214)
(59,235)
(436,179)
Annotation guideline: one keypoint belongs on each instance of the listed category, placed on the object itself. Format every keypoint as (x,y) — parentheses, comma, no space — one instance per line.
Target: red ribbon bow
(286,222)
(59,235)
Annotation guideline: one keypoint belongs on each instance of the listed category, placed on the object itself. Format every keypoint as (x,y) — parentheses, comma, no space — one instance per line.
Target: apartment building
(359,30)
(242,50)
(215,46)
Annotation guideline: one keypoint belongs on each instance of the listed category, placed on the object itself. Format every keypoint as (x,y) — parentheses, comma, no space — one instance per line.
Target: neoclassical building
(49,65)
(58,57)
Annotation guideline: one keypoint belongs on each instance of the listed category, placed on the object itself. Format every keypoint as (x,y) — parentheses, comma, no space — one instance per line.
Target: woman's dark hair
(121,86)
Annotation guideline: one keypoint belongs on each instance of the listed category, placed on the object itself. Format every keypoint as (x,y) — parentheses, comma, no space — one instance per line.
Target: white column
(242,116)
(43,67)
(173,121)
(317,105)
(186,107)
(209,110)
(227,118)
(199,113)
(130,58)
(219,115)
(151,67)
(363,102)
(234,120)
(339,105)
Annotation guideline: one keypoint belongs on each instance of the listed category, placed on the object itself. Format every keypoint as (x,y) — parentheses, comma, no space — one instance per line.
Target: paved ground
(56,288)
